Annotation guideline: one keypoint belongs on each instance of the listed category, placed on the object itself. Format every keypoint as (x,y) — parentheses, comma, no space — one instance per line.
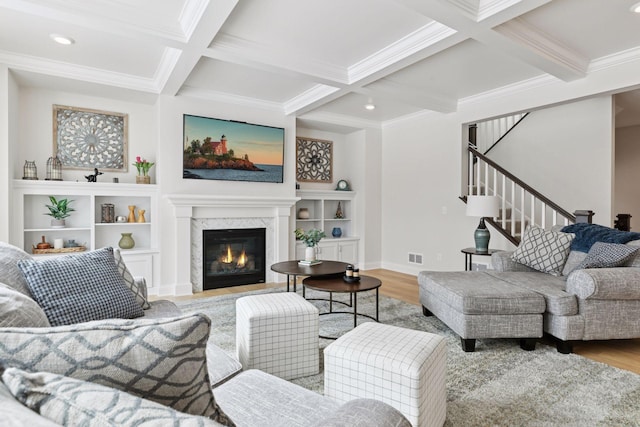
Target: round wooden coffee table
(338,285)
(292,269)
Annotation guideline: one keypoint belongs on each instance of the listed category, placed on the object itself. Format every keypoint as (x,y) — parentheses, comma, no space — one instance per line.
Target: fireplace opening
(233,257)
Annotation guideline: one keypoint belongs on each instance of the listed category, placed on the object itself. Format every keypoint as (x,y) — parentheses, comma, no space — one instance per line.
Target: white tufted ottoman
(278,333)
(402,367)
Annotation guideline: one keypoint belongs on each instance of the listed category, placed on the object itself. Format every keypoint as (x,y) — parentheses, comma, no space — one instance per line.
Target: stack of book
(309,263)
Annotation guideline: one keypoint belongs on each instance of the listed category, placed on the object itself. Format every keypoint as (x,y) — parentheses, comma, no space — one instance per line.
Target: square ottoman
(401,367)
(278,333)
(482,304)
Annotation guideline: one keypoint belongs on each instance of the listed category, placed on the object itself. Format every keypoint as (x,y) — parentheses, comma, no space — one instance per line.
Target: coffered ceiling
(321,61)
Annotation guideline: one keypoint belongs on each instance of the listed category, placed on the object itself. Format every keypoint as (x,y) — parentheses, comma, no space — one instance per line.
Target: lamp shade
(483,206)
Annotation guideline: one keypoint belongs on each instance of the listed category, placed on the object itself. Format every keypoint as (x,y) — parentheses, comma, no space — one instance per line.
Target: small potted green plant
(311,239)
(59,210)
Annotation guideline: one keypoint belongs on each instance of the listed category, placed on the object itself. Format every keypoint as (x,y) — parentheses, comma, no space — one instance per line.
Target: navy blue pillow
(80,287)
(588,234)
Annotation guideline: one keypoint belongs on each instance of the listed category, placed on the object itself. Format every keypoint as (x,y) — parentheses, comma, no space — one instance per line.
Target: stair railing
(520,204)
(487,134)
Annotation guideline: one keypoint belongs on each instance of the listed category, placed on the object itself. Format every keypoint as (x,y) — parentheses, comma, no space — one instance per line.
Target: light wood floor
(624,354)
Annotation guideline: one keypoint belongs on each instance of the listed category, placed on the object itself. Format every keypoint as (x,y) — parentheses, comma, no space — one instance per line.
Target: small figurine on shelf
(339,213)
(94,177)
(141,215)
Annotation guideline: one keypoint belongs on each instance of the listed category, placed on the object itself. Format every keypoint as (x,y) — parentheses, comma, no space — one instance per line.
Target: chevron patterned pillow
(163,360)
(542,250)
(68,401)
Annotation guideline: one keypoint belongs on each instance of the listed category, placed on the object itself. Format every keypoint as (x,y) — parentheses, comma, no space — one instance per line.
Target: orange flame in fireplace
(228,258)
(242,260)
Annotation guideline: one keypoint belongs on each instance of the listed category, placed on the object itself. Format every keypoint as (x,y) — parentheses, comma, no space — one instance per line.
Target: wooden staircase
(520,204)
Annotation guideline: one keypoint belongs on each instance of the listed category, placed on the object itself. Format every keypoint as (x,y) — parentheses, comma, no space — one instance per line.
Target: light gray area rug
(498,384)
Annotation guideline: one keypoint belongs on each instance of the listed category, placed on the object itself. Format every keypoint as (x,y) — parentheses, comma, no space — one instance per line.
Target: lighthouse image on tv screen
(232,151)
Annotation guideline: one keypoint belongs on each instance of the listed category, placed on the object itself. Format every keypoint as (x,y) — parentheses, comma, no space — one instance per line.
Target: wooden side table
(470,252)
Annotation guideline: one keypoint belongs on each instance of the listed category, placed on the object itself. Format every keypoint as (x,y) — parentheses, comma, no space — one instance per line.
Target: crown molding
(227,98)
(508,90)
(167,64)
(308,97)
(615,59)
(190,16)
(78,72)
(535,40)
(410,44)
(488,8)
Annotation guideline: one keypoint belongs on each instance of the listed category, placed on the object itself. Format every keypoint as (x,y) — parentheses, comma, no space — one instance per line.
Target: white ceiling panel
(92,48)
(249,82)
(463,70)
(335,31)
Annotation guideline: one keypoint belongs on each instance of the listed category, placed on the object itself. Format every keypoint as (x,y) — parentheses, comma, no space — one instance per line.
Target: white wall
(421,166)
(169,124)
(35,141)
(627,174)
(8,134)
(566,153)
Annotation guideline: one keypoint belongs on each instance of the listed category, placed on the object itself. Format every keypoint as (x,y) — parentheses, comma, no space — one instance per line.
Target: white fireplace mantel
(194,206)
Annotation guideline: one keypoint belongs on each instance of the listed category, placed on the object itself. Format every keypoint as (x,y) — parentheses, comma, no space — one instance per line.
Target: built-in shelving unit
(322,207)
(85,224)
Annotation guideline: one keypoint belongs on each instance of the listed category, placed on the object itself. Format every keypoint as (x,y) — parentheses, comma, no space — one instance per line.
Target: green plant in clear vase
(311,237)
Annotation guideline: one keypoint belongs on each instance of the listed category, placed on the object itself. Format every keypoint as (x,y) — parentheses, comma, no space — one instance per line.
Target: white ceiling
(318,60)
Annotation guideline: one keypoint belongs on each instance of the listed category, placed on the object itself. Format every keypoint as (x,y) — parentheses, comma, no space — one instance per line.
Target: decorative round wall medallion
(314,160)
(88,139)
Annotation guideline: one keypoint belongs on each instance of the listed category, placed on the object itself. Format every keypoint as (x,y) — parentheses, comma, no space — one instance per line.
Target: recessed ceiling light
(370,106)
(635,8)
(58,38)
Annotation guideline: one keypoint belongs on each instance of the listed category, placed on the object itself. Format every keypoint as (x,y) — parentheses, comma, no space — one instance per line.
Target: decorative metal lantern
(30,171)
(54,169)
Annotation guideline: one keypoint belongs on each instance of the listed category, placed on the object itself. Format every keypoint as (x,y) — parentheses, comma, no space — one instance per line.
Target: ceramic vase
(126,241)
(303,213)
(310,253)
(132,214)
(336,232)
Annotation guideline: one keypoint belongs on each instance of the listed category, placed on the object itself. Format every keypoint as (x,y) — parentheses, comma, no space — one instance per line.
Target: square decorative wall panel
(314,160)
(88,139)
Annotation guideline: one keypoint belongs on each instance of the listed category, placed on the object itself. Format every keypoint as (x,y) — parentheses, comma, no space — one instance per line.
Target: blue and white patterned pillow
(68,401)
(607,255)
(138,288)
(80,287)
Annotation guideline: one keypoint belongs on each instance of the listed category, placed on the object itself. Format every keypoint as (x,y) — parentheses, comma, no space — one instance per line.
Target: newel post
(584,216)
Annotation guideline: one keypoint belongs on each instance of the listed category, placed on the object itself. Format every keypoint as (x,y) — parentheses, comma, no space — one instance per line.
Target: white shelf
(322,205)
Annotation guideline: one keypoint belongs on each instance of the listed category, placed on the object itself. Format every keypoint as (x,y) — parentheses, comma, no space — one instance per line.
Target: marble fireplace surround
(194,213)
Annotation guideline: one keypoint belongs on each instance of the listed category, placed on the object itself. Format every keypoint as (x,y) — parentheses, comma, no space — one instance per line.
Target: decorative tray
(350,279)
(58,251)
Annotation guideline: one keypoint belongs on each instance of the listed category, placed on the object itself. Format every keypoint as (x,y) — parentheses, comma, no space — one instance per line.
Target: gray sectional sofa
(148,357)
(516,301)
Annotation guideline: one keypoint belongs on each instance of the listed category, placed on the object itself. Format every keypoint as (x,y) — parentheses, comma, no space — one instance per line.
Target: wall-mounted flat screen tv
(231,151)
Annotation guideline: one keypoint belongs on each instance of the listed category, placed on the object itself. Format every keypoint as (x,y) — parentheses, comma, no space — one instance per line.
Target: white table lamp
(483,207)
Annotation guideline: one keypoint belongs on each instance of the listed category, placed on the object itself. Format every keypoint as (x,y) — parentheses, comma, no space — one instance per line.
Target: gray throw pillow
(163,360)
(80,288)
(10,274)
(68,401)
(139,289)
(19,311)
(542,250)
(607,255)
